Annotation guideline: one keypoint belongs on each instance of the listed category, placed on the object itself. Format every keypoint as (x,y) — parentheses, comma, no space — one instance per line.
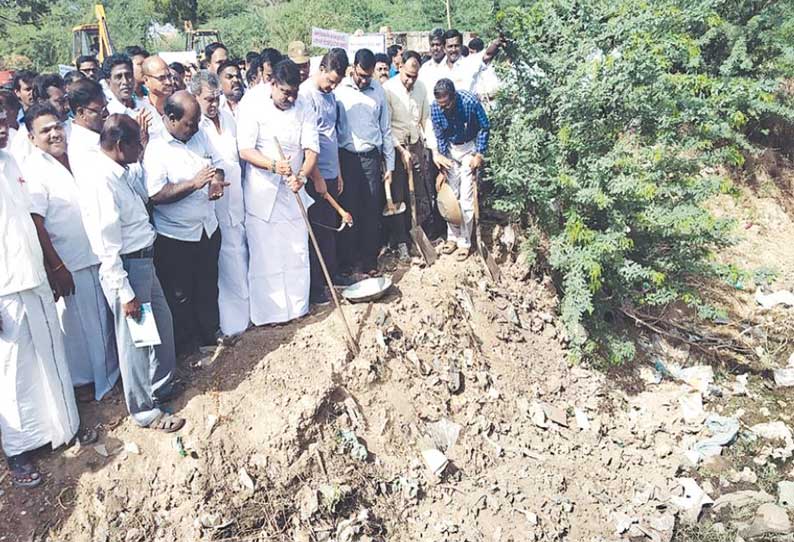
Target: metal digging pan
(367,290)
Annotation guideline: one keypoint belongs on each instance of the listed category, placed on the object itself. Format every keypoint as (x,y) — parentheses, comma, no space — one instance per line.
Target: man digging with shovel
(461,128)
(408,104)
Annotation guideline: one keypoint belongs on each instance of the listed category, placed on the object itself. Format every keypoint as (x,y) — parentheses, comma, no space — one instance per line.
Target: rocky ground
(461,419)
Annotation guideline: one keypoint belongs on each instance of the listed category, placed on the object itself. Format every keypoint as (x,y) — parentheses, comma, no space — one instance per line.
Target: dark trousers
(363,198)
(396,227)
(321,212)
(431,220)
(188,272)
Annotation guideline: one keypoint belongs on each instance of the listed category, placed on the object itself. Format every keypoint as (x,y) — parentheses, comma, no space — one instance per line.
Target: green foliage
(613,116)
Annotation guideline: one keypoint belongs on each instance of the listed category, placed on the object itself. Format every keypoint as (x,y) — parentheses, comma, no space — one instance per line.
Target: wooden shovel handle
(338,208)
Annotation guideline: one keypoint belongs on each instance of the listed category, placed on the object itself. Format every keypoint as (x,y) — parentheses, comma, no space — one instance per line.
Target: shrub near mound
(613,115)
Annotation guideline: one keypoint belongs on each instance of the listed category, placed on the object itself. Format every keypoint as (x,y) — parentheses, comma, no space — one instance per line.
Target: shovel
(482,250)
(423,244)
(351,342)
(390,209)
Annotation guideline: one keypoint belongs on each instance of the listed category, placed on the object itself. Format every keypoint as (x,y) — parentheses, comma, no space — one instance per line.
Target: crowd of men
(137,190)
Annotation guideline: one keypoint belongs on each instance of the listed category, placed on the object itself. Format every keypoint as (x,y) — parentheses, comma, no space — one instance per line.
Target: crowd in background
(149,209)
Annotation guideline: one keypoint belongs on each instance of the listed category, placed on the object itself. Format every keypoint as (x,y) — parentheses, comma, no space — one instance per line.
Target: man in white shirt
(462,71)
(221,130)
(37,403)
(179,165)
(232,88)
(48,88)
(260,92)
(365,139)
(318,91)
(277,236)
(160,83)
(408,104)
(118,72)
(74,268)
(87,102)
(114,212)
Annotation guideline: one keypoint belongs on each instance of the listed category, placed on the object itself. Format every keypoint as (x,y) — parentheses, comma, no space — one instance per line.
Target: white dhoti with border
(233,302)
(461,180)
(88,333)
(278,269)
(37,405)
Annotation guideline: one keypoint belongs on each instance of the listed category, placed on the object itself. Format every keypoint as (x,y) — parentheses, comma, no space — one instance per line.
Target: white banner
(374,42)
(328,38)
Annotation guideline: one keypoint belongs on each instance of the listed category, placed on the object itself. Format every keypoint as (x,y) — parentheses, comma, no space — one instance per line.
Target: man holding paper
(117,223)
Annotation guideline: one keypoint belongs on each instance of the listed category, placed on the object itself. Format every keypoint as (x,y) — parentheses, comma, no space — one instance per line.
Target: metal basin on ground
(367,289)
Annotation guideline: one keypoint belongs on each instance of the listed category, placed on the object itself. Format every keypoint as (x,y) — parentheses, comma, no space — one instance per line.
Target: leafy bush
(614,116)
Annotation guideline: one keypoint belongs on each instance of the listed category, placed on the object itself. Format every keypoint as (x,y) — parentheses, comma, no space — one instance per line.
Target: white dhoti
(461,179)
(233,303)
(88,333)
(278,269)
(37,403)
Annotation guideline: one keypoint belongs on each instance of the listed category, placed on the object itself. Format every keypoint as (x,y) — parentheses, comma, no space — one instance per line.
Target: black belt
(364,153)
(141,254)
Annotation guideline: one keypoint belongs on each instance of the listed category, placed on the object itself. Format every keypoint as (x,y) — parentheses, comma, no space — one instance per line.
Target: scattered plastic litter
(768,301)
(444,433)
(693,500)
(723,431)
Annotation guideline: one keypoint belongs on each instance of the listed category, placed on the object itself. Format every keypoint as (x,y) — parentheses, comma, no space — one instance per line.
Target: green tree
(614,115)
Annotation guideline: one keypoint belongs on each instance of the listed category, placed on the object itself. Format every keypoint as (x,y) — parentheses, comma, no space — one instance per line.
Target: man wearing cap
(298,53)
(461,128)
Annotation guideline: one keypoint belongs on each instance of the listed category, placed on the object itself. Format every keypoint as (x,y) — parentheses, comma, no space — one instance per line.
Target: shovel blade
(423,244)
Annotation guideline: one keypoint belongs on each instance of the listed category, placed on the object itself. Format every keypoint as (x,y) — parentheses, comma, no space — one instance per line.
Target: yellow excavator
(197,39)
(92,38)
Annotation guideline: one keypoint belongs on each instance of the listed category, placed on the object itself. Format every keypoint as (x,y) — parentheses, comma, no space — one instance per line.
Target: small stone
(769,519)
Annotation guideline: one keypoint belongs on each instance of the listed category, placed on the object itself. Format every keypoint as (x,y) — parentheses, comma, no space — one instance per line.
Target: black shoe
(343,280)
(319,298)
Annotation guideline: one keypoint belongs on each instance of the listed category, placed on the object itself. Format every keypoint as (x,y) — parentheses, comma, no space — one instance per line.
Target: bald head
(121,139)
(157,77)
(181,115)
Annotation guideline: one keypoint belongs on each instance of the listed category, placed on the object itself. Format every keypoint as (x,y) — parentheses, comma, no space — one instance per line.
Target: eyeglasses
(103,112)
(162,78)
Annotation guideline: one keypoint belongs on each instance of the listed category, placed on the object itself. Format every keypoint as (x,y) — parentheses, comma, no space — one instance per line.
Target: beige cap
(297,52)
(448,205)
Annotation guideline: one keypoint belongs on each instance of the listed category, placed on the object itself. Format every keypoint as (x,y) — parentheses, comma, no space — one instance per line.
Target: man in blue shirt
(326,178)
(461,127)
(365,141)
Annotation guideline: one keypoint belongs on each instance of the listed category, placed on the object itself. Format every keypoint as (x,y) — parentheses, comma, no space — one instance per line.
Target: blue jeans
(146,372)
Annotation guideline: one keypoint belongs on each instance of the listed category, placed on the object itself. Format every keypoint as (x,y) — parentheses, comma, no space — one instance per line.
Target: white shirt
(81,140)
(168,160)
(116,107)
(114,211)
(55,196)
(21,260)
(463,73)
(258,128)
(409,111)
(229,209)
(364,120)
(254,97)
(19,145)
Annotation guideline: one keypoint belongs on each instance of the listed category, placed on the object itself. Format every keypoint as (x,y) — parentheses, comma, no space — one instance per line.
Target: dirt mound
(460,420)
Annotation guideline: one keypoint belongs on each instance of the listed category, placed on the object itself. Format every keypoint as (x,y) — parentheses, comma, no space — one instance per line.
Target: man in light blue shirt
(364,130)
(326,178)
